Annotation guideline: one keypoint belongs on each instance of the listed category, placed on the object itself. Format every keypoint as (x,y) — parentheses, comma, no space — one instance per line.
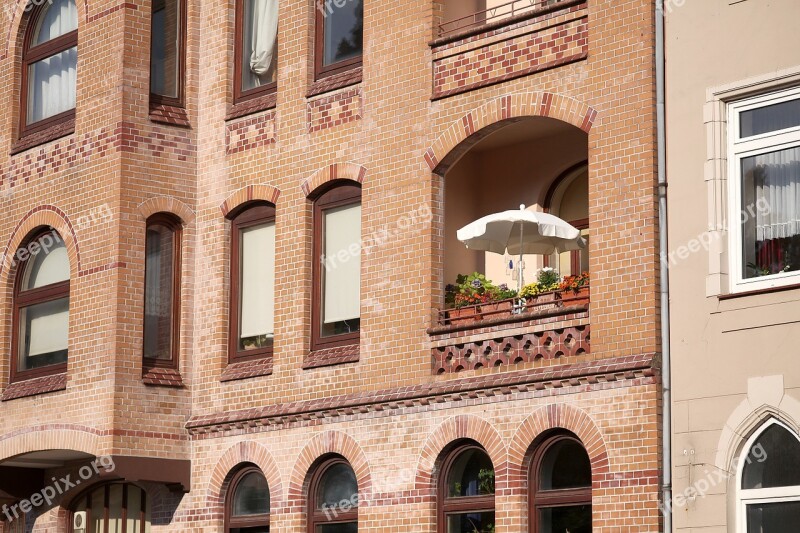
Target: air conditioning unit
(79,522)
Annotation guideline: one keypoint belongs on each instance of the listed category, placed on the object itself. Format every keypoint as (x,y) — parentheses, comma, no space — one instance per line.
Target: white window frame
(757,496)
(738,149)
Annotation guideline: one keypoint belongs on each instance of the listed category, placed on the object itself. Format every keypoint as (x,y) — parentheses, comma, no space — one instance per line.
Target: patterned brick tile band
(334,110)
(251,132)
(588,374)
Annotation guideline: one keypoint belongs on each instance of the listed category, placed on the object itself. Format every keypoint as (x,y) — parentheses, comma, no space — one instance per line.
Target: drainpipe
(666,373)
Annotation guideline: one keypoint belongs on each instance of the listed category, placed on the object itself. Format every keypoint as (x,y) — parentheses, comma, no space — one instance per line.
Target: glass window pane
(60,18)
(341,275)
(115,504)
(773,461)
(51,85)
(350,527)
(165,48)
(259,43)
(771,213)
(43,334)
(158,290)
(338,487)
(259,529)
(252,496)
(769,118)
(575,519)
(257,287)
(50,263)
(471,474)
(773,517)
(565,465)
(344,30)
(470,523)
(97,524)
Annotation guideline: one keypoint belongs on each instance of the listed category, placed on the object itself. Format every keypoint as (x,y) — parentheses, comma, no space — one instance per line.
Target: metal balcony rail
(496,13)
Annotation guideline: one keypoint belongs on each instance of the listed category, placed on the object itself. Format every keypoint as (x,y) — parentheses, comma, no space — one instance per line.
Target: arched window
(162,290)
(117,507)
(333,498)
(49,65)
(336,311)
(41,307)
(247,503)
(252,322)
(466,491)
(568,199)
(560,487)
(769,481)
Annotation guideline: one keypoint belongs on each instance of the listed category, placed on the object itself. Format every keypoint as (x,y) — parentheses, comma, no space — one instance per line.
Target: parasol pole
(519,263)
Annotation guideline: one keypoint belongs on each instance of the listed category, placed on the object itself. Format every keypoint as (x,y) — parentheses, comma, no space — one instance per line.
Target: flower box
(544,301)
(498,309)
(463,315)
(576,297)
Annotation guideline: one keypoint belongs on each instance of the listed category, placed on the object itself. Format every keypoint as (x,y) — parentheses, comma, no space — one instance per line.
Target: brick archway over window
(243,452)
(54,437)
(450,431)
(267,193)
(330,442)
(166,204)
(336,171)
(480,122)
(550,417)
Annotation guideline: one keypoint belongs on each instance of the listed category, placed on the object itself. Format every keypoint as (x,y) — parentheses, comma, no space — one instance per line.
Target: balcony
(489,14)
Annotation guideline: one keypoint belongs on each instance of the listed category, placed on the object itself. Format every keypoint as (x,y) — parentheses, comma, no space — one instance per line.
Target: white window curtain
(48,326)
(342,264)
(52,85)
(260,42)
(152,296)
(774,179)
(257,287)
(47,267)
(59,19)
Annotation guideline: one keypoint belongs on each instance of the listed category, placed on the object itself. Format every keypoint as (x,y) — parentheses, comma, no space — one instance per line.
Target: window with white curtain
(764,163)
(253,283)
(41,307)
(337,268)
(113,508)
(50,61)
(256,47)
(769,481)
(161,290)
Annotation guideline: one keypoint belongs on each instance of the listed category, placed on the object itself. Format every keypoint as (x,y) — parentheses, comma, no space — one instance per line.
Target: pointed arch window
(769,481)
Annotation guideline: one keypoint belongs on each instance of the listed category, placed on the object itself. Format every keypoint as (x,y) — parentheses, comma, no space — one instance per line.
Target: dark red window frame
(318,517)
(239,95)
(160,99)
(86,496)
(541,499)
(172,223)
(339,194)
(254,214)
(48,293)
(32,54)
(324,71)
(458,505)
(236,522)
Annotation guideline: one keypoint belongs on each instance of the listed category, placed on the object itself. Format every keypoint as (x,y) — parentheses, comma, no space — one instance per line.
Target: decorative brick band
(157,140)
(334,110)
(249,133)
(102,268)
(587,375)
(336,171)
(515,57)
(512,350)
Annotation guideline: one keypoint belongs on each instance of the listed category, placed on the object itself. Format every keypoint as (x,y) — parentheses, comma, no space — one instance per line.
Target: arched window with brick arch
(333,497)
(40,335)
(560,486)
(117,506)
(247,504)
(49,66)
(769,480)
(466,494)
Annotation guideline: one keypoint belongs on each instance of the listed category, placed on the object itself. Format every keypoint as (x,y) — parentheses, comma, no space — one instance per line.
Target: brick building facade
(509,103)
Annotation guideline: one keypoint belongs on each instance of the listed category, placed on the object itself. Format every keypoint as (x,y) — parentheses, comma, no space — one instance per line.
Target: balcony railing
(497,13)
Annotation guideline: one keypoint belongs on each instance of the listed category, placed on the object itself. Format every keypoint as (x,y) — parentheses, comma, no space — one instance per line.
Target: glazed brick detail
(247,369)
(251,132)
(334,110)
(332,356)
(166,377)
(518,56)
(33,387)
(168,114)
(337,81)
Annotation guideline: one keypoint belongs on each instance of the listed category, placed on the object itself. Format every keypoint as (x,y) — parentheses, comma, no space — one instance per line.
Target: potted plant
(542,293)
(501,302)
(576,289)
(474,297)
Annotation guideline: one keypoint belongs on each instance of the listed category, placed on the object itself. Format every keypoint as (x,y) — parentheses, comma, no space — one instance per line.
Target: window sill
(169,114)
(337,355)
(756,292)
(35,386)
(31,140)
(252,106)
(247,369)
(336,81)
(163,377)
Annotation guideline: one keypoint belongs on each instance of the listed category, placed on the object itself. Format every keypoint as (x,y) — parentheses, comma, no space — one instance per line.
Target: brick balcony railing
(503,12)
(551,326)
